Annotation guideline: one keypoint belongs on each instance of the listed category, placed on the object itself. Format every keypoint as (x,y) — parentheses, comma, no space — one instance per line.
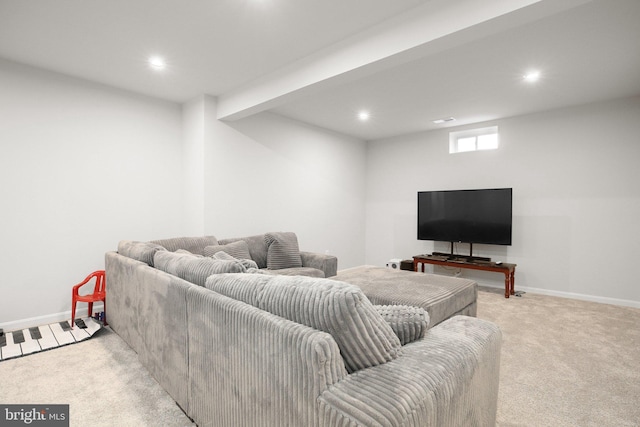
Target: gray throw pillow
(338,308)
(283,250)
(239,250)
(408,323)
(257,247)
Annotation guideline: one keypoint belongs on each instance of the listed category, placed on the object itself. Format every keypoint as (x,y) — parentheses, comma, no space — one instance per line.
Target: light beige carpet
(564,363)
(101,379)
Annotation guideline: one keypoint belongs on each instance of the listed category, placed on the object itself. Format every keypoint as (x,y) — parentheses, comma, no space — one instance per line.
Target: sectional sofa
(235,343)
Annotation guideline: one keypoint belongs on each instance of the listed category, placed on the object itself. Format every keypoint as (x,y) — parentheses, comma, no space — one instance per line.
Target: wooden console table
(509,270)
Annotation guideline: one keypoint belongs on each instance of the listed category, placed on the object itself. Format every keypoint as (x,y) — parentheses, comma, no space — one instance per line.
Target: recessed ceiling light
(157,63)
(364,115)
(532,76)
(447,119)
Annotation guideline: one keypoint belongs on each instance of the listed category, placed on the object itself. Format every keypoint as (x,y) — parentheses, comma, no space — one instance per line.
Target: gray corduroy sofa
(276,253)
(255,349)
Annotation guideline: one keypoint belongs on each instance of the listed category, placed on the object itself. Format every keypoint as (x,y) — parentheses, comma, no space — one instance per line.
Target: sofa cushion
(169,261)
(194,245)
(408,323)
(186,252)
(196,269)
(340,309)
(296,271)
(247,263)
(140,251)
(283,250)
(239,250)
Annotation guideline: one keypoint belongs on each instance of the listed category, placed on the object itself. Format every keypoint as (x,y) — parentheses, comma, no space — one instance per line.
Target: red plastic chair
(99,294)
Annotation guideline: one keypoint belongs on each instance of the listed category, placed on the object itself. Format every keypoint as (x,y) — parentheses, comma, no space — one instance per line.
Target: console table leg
(513,282)
(507,285)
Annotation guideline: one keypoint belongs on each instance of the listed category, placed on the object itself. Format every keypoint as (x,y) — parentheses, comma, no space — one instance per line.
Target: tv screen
(469,216)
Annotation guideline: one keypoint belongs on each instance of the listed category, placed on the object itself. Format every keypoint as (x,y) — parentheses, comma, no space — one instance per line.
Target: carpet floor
(564,363)
(101,379)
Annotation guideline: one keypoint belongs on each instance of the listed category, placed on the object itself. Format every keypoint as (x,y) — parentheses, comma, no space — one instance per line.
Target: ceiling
(407,62)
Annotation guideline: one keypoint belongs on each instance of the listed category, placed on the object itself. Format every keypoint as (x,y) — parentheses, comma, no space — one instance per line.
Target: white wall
(575,176)
(81,167)
(84,166)
(193,167)
(269,173)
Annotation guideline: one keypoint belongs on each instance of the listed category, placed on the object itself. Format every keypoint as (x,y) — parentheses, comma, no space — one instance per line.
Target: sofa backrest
(195,269)
(194,245)
(365,339)
(145,251)
(139,251)
(250,367)
(148,309)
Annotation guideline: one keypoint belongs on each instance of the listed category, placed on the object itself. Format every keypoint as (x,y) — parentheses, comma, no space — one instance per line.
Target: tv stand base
(509,270)
(461,257)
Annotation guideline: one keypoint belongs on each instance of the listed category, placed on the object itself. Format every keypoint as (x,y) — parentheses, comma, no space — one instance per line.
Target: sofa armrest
(326,263)
(250,367)
(450,377)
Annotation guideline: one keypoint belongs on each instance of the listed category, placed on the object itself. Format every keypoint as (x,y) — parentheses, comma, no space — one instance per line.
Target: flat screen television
(467,216)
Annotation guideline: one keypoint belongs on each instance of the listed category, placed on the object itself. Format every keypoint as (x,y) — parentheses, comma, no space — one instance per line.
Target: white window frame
(465,141)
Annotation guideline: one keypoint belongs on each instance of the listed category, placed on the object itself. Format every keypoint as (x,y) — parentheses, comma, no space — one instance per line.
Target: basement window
(473,140)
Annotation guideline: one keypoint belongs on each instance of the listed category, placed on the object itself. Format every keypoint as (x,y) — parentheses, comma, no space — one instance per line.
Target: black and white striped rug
(40,338)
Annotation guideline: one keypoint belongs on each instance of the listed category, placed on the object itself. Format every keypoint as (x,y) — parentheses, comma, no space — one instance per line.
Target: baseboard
(345,270)
(572,295)
(47,319)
